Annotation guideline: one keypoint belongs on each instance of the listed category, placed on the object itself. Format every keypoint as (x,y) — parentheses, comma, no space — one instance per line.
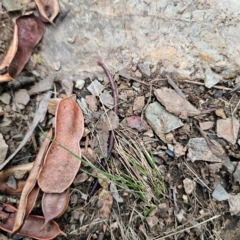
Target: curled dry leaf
(48,9)
(61,166)
(54,205)
(31,225)
(5,174)
(28,31)
(174,103)
(26,204)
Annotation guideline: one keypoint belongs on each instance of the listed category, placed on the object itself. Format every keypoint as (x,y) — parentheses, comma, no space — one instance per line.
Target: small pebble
(79,84)
(170,153)
(18,137)
(218,94)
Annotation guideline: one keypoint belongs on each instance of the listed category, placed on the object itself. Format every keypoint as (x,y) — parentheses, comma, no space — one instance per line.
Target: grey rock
(236,173)
(3,149)
(199,150)
(228,129)
(234,204)
(106,99)
(228,165)
(144,69)
(161,120)
(220,193)
(211,78)
(43,85)
(125,73)
(5,98)
(18,137)
(179,35)
(11,182)
(95,88)
(22,97)
(12,5)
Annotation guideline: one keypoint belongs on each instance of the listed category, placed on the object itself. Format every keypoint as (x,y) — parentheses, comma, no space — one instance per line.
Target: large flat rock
(186,37)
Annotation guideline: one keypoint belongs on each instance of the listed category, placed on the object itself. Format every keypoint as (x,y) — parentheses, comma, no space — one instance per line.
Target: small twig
(186,229)
(208,110)
(176,209)
(112,135)
(149,100)
(237,87)
(199,179)
(202,84)
(115,101)
(143,83)
(176,88)
(33,138)
(86,143)
(236,107)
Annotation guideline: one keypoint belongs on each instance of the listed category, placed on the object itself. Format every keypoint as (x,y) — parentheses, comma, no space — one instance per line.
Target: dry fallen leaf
(48,10)
(174,103)
(105,211)
(137,122)
(61,167)
(31,225)
(28,31)
(30,183)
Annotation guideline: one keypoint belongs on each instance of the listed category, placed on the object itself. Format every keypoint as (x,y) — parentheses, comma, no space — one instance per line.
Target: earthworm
(111,138)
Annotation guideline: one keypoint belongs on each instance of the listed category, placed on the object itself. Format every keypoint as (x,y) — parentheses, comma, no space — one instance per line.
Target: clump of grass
(138,166)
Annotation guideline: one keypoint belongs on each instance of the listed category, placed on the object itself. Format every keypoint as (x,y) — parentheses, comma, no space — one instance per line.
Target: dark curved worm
(111,138)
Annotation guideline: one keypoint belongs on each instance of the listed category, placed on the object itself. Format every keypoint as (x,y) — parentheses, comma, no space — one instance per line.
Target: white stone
(79,84)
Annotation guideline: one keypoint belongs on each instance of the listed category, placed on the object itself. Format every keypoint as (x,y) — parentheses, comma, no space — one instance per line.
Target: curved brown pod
(30,226)
(54,205)
(30,190)
(28,31)
(61,166)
